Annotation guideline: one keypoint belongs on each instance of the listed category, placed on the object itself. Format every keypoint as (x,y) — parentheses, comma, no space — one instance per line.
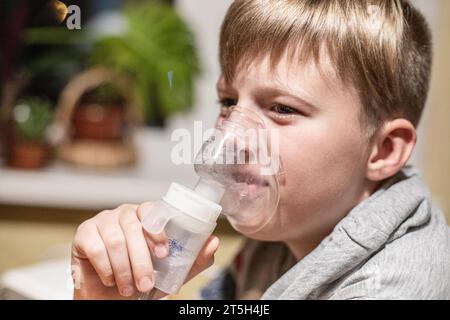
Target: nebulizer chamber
(232,181)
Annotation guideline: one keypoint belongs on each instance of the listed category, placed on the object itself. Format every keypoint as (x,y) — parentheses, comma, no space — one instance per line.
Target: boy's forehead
(306,78)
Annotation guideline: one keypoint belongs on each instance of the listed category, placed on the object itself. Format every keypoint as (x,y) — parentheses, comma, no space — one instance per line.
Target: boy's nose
(249,117)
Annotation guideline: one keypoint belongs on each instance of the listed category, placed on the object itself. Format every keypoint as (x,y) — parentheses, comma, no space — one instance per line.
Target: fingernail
(127,291)
(216,243)
(110,283)
(145,284)
(160,251)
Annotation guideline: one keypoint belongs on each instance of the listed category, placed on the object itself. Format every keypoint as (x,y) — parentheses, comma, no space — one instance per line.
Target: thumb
(205,258)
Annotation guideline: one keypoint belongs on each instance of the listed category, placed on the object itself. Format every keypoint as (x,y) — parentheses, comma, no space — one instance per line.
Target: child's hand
(111,254)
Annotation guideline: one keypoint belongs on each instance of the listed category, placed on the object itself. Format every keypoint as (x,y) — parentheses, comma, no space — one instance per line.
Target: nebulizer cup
(238,168)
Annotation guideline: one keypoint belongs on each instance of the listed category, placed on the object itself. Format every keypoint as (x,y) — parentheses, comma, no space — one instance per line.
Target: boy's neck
(301,249)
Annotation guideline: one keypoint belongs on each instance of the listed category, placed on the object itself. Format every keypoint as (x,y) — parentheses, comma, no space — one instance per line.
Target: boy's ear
(391,148)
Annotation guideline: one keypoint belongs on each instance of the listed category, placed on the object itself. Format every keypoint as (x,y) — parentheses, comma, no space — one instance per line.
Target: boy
(344,82)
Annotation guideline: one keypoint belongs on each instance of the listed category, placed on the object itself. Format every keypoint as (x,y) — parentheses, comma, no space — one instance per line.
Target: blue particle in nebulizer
(175,246)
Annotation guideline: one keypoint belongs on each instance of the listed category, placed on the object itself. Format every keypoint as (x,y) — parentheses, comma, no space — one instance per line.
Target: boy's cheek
(312,201)
(317,167)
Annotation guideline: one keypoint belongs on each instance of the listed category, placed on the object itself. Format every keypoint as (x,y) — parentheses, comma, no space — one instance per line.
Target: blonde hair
(383,47)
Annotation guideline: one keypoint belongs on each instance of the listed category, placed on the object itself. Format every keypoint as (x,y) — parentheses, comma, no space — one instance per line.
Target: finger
(138,251)
(144,209)
(115,243)
(89,245)
(157,242)
(205,258)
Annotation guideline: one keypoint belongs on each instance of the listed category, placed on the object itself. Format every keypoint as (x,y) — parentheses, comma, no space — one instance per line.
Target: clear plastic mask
(242,157)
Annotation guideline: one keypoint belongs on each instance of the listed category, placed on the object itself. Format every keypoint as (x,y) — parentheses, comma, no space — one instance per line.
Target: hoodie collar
(387,214)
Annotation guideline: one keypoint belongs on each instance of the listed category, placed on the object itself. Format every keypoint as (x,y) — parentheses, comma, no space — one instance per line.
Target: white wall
(430,9)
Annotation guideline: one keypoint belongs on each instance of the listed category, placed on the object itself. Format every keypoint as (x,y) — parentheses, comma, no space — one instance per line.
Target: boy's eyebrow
(271,91)
(222,88)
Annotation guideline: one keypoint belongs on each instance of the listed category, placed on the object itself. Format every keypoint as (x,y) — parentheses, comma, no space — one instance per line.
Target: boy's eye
(284,114)
(225,105)
(283,109)
(227,102)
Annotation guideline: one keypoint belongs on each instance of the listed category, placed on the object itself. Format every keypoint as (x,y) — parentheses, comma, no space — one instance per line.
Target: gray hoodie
(393,245)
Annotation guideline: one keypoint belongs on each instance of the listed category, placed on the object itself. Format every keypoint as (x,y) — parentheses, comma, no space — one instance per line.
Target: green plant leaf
(157,41)
(31,118)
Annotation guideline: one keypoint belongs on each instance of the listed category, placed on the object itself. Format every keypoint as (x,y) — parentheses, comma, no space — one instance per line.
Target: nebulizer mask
(239,169)
(242,157)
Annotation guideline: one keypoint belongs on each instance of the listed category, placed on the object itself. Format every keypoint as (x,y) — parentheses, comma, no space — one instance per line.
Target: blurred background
(90,92)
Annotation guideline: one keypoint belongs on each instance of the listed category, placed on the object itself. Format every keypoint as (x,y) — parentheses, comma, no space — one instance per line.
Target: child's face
(323,148)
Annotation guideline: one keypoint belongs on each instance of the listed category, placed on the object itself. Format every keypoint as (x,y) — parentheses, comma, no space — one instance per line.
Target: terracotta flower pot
(98,122)
(28,154)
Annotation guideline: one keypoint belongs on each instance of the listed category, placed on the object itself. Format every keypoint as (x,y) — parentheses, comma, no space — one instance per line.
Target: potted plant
(100,114)
(158,50)
(30,119)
